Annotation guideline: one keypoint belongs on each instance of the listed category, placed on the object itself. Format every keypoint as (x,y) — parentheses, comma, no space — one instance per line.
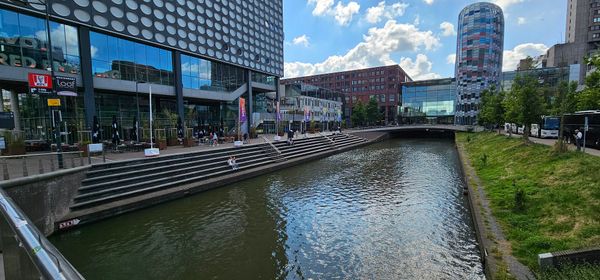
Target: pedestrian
(215,139)
(290,139)
(231,162)
(578,139)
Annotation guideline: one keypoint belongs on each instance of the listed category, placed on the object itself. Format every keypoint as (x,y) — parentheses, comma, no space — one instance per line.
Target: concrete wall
(46,198)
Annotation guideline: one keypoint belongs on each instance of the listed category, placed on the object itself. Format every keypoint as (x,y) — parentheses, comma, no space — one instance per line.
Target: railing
(31,164)
(23,243)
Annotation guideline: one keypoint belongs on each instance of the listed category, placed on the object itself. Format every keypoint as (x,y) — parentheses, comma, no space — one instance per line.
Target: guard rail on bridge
(27,253)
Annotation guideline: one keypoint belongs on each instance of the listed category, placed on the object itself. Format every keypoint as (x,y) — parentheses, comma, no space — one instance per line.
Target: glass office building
(428,102)
(549,77)
(479,47)
(197,57)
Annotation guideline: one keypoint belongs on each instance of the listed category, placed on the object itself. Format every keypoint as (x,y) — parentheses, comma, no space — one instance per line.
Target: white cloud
(511,57)
(342,13)
(521,20)
(301,40)
(447,29)
(376,13)
(420,69)
(504,4)
(451,58)
(428,2)
(377,47)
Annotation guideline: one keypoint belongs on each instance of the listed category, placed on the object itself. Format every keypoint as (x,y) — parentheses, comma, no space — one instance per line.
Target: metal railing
(30,164)
(48,262)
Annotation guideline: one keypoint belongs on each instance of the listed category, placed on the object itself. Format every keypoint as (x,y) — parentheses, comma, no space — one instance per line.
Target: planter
(189,142)
(172,142)
(84,148)
(16,150)
(162,144)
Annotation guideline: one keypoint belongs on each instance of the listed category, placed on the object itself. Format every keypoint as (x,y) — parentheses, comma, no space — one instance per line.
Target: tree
(524,103)
(492,109)
(589,98)
(372,111)
(359,114)
(564,103)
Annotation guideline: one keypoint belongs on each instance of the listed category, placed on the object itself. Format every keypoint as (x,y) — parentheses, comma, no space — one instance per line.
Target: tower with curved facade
(478,57)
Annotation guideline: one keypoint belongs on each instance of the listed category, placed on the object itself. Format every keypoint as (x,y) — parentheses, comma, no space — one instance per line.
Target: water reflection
(394,210)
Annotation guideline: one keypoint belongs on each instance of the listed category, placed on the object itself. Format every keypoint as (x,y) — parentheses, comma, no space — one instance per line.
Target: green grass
(560,208)
(579,272)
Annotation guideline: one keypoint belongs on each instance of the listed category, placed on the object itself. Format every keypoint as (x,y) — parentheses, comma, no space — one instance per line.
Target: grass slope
(561,205)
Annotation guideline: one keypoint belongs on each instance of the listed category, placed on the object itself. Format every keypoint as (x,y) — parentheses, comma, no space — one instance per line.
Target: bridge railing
(26,252)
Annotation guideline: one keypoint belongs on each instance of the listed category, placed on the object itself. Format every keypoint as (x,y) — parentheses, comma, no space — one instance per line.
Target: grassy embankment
(544,201)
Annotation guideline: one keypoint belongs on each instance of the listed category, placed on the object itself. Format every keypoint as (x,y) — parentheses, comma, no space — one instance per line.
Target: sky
(323,36)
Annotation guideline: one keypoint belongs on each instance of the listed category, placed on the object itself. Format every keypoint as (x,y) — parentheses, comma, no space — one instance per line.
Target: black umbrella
(115,132)
(95,131)
(134,135)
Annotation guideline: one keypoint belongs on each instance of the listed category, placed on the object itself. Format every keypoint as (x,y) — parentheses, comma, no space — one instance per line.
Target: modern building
(299,105)
(478,57)
(198,58)
(549,77)
(582,37)
(428,102)
(381,83)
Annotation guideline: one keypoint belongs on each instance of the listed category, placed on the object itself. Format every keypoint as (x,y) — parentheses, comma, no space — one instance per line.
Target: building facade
(197,57)
(381,83)
(478,57)
(549,77)
(428,102)
(582,37)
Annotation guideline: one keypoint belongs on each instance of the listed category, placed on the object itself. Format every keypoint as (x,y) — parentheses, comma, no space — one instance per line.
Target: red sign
(40,81)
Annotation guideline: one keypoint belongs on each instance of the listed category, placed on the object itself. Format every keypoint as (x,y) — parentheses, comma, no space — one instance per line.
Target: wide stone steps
(142,172)
(112,182)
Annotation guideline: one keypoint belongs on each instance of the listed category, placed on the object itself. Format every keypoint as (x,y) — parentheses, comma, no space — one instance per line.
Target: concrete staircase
(109,182)
(119,182)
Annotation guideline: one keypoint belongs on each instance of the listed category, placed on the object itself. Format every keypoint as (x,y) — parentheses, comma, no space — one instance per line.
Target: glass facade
(263,78)
(429,101)
(24,43)
(198,73)
(548,77)
(121,59)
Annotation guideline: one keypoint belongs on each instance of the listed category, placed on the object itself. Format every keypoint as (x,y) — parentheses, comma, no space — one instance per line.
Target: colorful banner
(277,112)
(242,110)
(306,114)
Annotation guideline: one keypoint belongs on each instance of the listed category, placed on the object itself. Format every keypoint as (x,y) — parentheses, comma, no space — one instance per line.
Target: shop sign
(242,110)
(7,120)
(66,86)
(53,102)
(40,83)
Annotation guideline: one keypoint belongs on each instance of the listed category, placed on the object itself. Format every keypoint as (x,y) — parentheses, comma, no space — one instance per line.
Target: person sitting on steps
(231,162)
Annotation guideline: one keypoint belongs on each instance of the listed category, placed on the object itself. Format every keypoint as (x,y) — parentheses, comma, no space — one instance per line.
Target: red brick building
(382,83)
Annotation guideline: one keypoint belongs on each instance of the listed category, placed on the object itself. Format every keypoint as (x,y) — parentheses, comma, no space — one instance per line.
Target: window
(24,43)
(206,75)
(121,59)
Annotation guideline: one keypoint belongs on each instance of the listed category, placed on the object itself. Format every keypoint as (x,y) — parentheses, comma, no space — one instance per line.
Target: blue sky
(334,35)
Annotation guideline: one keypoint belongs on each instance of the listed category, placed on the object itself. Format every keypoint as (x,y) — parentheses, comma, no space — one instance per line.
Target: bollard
(5,169)
(25,173)
(72,162)
(80,159)
(52,168)
(103,154)
(89,158)
(41,166)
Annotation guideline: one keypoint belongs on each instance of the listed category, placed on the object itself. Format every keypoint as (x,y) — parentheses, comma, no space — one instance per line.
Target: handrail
(40,155)
(51,264)
(272,146)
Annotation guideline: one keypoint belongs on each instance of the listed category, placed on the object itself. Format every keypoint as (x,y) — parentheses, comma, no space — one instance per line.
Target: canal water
(392,210)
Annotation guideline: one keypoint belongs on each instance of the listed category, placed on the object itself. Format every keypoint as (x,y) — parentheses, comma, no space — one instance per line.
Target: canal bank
(394,209)
(529,200)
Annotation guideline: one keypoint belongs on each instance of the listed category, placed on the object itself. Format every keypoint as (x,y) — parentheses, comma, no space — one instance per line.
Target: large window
(122,59)
(24,43)
(198,73)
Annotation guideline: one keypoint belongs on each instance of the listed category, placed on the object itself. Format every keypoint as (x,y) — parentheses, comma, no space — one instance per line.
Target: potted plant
(15,145)
(83,147)
(171,118)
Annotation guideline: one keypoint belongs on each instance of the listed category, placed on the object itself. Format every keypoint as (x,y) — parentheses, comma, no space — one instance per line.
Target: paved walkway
(39,163)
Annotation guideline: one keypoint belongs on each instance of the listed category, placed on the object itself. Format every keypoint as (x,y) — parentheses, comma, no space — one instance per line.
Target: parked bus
(547,127)
(576,121)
